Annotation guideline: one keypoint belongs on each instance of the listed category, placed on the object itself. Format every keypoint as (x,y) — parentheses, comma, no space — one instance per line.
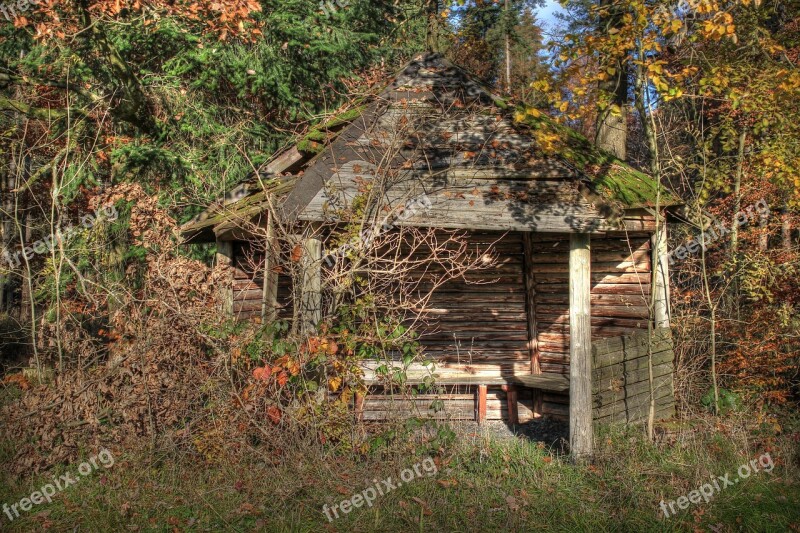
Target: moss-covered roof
(314,141)
(609,177)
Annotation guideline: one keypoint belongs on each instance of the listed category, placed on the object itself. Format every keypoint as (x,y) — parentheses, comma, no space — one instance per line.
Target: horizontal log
(616,366)
(599,288)
(641,338)
(554,322)
(613,267)
(631,411)
(660,385)
(632,354)
(596,299)
(598,256)
(609,311)
(627,378)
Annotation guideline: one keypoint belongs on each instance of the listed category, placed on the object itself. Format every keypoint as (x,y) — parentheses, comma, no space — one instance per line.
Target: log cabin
(572,318)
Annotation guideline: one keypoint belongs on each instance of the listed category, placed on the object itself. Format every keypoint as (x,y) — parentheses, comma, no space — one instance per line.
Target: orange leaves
(278,372)
(262,373)
(297,253)
(19,380)
(274,414)
(320,345)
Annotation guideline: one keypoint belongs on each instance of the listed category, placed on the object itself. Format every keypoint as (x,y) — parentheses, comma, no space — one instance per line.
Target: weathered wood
(481,414)
(631,354)
(580,353)
(631,341)
(358,406)
(661,384)
(622,363)
(661,310)
(634,409)
(311,308)
(544,381)
(633,376)
(530,304)
(511,403)
(224,258)
(269,297)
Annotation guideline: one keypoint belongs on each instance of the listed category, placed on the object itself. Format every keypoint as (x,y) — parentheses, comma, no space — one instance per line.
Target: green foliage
(728,401)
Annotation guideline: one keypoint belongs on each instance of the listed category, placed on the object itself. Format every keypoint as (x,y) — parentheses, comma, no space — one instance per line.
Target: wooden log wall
(248,284)
(621,377)
(475,325)
(620,292)
(452,403)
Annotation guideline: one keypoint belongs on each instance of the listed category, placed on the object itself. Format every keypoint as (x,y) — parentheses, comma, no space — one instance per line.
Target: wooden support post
(358,405)
(311,298)
(530,312)
(269,296)
(580,348)
(480,415)
(511,404)
(530,303)
(660,261)
(225,258)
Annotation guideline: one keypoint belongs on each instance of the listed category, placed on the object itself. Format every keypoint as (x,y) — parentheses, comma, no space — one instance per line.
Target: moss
(309,147)
(313,141)
(610,177)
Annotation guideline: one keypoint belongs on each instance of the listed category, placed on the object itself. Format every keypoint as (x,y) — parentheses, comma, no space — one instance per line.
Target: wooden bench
(544,382)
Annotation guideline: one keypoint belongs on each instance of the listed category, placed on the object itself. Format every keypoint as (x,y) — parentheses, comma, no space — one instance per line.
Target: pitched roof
(435,131)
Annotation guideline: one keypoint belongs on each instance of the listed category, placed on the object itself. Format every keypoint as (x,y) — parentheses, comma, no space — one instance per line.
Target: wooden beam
(269,297)
(530,302)
(224,257)
(311,298)
(358,405)
(511,404)
(660,261)
(481,411)
(580,348)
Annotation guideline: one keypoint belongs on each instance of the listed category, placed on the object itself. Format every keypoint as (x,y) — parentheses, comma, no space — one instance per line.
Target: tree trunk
(508,50)
(737,191)
(612,128)
(432,36)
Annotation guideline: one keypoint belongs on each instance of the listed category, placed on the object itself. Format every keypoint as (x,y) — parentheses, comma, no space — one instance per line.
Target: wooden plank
(629,355)
(661,308)
(634,376)
(530,304)
(631,341)
(269,296)
(481,414)
(311,299)
(511,403)
(616,361)
(224,258)
(580,391)
(632,409)
(543,381)
(661,386)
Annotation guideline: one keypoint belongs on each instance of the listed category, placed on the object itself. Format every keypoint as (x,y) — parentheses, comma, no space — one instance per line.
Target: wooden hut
(566,327)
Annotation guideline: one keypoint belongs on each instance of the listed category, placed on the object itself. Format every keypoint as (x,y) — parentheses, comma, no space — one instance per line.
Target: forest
(397,265)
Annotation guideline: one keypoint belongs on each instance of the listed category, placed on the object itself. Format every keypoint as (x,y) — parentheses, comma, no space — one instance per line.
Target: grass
(484,482)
